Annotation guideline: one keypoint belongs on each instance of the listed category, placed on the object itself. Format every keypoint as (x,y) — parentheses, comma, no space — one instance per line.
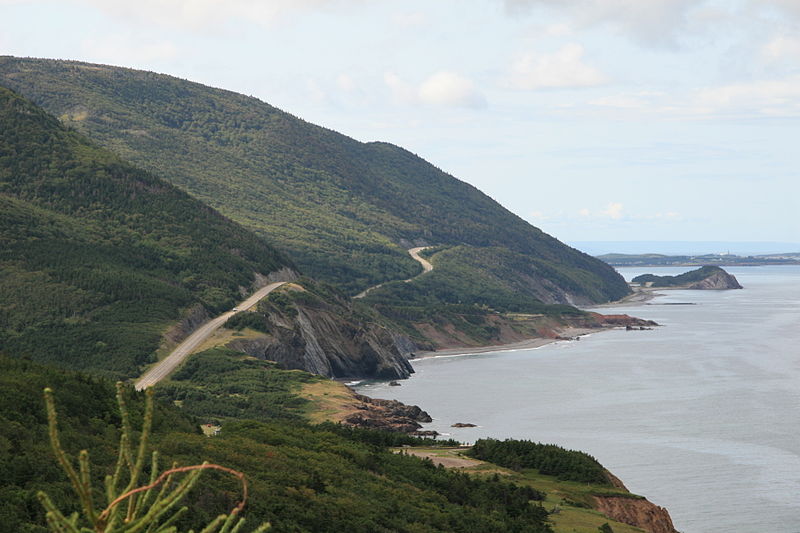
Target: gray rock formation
(717,281)
(330,344)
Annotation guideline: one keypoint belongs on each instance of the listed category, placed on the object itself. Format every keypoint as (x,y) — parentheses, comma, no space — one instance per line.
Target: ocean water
(701,415)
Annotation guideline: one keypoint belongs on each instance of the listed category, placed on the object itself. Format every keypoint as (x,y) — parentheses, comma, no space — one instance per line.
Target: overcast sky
(593,119)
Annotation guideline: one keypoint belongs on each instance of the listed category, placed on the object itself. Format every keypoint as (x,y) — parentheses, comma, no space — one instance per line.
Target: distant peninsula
(703,278)
(642,260)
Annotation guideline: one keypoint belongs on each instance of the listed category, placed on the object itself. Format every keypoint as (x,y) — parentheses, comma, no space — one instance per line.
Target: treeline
(548,459)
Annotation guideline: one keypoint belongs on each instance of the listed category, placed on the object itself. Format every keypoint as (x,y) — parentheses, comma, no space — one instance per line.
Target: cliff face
(325,336)
(637,512)
(717,281)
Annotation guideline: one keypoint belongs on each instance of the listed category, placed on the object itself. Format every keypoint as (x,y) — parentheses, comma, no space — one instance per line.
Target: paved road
(198,337)
(426,266)
(414,252)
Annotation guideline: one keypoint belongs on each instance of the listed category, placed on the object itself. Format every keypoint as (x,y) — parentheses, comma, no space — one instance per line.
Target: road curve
(167,365)
(426,266)
(414,253)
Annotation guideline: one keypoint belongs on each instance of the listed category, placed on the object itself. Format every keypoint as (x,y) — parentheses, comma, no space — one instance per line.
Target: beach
(566,334)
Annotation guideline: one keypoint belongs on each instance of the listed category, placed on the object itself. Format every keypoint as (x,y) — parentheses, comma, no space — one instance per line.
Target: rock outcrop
(193,318)
(389,415)
(325,336)
(637,512)
(704,278)
(717,281)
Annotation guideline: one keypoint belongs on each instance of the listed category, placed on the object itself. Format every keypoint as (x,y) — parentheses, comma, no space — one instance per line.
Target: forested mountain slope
(98,257)
(344,210)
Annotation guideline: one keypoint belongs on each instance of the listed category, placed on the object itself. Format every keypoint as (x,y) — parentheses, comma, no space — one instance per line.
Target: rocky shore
(592,323)
(389,415)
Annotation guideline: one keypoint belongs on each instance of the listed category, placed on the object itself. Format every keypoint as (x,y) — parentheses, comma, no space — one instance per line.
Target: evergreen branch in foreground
(147,511)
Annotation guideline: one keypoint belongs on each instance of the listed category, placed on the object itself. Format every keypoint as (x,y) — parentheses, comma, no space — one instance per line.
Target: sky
(595,120)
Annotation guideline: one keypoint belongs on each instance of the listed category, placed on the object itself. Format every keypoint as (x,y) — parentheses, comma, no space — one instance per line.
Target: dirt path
(447,457)
(414,253)
(167,365)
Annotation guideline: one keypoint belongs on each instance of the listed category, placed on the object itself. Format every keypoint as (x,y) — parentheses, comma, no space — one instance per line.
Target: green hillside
(687,278)
(342,209)
(97,257)
(301,478)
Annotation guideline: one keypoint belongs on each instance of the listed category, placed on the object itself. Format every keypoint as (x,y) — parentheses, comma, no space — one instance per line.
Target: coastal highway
(426,266)
(167,365)
(414,253)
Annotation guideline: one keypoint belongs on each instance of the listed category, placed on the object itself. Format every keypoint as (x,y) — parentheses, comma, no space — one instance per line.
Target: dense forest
(302,478)
(343,210)
(546,458)
(98,258)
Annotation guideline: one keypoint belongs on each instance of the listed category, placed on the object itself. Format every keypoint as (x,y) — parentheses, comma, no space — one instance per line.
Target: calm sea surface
(701,415)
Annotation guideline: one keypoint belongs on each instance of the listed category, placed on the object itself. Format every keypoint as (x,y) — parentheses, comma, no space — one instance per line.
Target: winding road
(414,253)
(167,365)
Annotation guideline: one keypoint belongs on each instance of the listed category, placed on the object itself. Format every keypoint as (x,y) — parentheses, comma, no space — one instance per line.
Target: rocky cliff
(717,281)
(321,333)
(637,512)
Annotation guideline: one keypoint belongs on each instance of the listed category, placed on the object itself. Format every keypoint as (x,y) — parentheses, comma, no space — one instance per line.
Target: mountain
(345,211)
(99,258)
(102,263)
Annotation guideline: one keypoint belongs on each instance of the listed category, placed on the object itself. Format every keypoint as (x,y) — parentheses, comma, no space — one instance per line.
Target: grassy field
(575,500)
(328,401)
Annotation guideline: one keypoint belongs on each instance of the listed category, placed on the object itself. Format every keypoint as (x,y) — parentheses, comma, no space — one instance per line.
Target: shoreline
(640,296)
(528,344)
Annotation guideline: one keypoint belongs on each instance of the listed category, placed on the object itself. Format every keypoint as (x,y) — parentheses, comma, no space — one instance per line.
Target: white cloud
(443,88)
(782,47)
(557,30)
(752,99)
(316,92)
(345,83)
(209,15)
(402,92)
(410,19)
(763,97)
(788,7)
(613,211)
(564,68)
(652,22)
(450,89)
